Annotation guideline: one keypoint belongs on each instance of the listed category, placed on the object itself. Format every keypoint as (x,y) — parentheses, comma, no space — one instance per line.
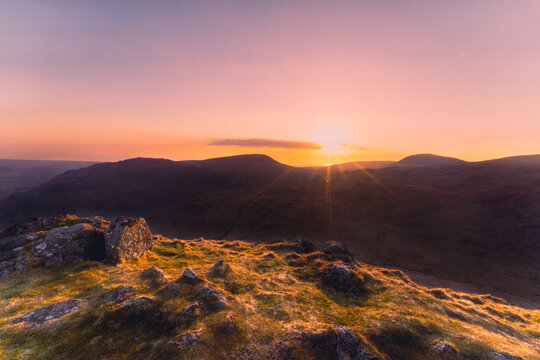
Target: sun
(333,139)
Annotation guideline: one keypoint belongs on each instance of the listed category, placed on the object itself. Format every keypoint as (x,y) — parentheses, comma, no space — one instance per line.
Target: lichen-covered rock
(54,311)
(191,310)
(213,299)
(127,237)
(505,356)
(335,248)
(138,304)
(36,224)
(187,339)
(70,244)
(220,270)
(341,276)
(446,351)
(189,277)
(350,346)
(120,293)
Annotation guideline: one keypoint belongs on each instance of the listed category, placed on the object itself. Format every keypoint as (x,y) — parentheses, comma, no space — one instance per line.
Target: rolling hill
(473,223)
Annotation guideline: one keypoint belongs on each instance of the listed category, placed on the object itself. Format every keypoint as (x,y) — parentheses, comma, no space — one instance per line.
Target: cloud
(267,143)
(361,148)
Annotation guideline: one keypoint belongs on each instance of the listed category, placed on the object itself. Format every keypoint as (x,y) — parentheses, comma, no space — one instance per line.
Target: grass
(273,293)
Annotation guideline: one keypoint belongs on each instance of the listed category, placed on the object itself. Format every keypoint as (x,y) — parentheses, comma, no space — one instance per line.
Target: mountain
(207,299)
(21,175)
(472,223)
(428,160)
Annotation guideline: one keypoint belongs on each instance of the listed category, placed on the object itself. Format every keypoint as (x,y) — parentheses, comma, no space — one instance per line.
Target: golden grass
(273,294)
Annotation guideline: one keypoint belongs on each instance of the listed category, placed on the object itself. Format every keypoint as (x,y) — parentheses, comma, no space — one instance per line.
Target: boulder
(55,311)
(120,293)
(306,246)
(446,351)
(189,277)
(220,270)
(350,346)
(335,248)
(213,299)
(138,304)
(505,356)
(191,310)
(341,276)
(186,339)
(155,275)
(69,244)
(127,238)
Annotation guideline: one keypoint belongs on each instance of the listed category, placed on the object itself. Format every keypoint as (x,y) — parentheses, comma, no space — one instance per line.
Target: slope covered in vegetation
(250,301)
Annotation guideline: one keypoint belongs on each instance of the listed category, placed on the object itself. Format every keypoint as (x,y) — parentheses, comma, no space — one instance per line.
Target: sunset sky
(298,80)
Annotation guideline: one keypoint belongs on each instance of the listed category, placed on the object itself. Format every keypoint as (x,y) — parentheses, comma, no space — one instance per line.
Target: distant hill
(475,223)
(428,160)
(21,175)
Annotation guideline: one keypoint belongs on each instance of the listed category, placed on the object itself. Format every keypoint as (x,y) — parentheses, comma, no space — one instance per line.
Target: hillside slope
(251,301)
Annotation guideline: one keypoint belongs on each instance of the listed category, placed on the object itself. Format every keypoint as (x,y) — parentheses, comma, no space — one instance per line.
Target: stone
(335,248)
(120,293)
(127,238)
(350,346)
(5,272)
(14,242)
(54,311)
(186,339)
(446,351)
(191,310)
(213,299)
(170,290)
(220,270)
(306,246)
(189,277)
(137,304)
(340,276)
(36,224)
(155,274)
(505,356)
(69,244)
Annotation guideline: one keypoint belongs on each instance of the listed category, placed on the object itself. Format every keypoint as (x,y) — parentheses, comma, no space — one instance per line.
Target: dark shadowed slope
(142,186)
(21,175)
(428,160)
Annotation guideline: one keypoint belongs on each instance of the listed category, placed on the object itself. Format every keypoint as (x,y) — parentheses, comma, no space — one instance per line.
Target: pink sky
(114,79)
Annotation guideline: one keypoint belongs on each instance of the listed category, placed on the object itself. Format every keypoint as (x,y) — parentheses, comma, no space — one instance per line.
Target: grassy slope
(272,296)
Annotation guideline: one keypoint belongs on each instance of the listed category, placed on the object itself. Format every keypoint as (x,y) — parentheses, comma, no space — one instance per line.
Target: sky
(306,82)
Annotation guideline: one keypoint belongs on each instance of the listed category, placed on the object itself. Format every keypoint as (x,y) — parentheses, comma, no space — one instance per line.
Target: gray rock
(189,277)
(120,293)
(220,270)
(186,339)
(5,272)
(55,311)
(20,265)
(335,248)
(36,224)
(446,351)
(155,274)
(340,276)
(350,346)
(506,356)
(70,244)
(127,238)
(213,299)
(170,290)
(14,242)
(191,310)
(137,304)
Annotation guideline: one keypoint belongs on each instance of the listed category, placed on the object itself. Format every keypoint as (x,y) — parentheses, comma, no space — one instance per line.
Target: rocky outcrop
(189,277)
(138,304)
(446,351)
(342,277)
(350,346)
(505,356)
(335,248)
(127,238)
(70,244)
(187,339)
(213,299)
(191,310)
(220,270)
(55,311)
(120,293)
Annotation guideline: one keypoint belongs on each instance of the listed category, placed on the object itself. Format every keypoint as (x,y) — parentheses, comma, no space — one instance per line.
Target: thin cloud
(361,148)
(267,143)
